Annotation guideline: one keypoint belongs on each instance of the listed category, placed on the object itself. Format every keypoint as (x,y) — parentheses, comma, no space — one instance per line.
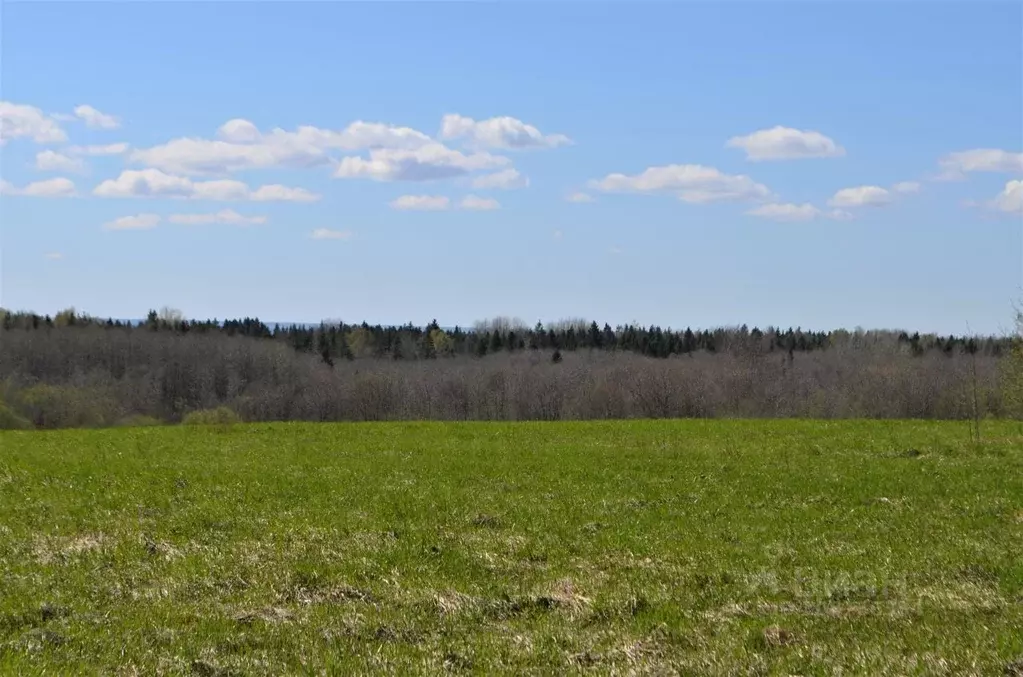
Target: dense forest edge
(73,370)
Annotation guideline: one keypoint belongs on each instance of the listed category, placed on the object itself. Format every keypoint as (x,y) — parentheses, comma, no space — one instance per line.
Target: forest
(74,370)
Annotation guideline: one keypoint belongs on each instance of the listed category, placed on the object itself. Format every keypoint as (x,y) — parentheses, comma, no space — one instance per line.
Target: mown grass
(698,547)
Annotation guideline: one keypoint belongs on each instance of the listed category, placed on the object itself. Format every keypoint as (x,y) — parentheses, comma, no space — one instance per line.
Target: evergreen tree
(482,342)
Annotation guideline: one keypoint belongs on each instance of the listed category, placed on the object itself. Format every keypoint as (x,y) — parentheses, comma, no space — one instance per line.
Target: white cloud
(109,149)
(228,216)
(54,256)
(557,235)
(431,203)
(328,234)
(145,183)
(1010,200)
(786,212)
(49,161)
(136,222)
(785,143)
(240,145)
(155,183)
(614,251)
(506,179)
(906,187)
(369,135)
(427,163)
(498,132)
(861,196)
(789,212)
(955,166)
(188,156)
(579,197)
(480,204)
(278,193)
(95,119)
(239,131)
(20,121)
(691,183)
(223,190)
(59,187)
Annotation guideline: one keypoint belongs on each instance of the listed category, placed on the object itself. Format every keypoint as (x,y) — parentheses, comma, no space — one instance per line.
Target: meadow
(710,547)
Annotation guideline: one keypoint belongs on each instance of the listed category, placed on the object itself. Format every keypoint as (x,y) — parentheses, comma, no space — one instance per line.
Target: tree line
(74,370)
(338,340)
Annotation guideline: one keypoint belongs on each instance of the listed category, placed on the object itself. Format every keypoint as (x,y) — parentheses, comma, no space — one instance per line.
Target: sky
(816,164)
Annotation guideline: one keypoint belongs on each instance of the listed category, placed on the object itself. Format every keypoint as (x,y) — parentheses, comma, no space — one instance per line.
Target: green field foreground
(689,547)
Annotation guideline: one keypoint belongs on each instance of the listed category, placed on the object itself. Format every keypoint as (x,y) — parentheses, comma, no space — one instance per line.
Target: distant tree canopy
(75,370)
(1012,371)
(338,340)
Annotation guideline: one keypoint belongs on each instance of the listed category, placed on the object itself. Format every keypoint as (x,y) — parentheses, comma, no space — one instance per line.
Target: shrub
(64,406)
(1012,374)
(12,420)
(218,416)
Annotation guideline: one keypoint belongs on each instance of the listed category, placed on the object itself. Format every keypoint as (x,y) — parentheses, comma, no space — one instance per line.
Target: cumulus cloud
(421,203)
(108,149)
(20,121)
(505,179)
(95,119)
(691,183)
(790,212)
(498,132)
(785,143)
(228,216)
(579,197)
(861,196)
(136,222)
(49,161)
(278,193)
(155,183)
(146,183)
(906,187)
(1010,200)
(59,187)
(240,145)
(480,204)
(386,153)
(361,134)
(190,156)
(328,234)
(426,163)
(239,131)
(955,166)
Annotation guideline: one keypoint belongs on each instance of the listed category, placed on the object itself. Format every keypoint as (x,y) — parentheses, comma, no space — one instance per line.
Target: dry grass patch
(266,615)
(51,549)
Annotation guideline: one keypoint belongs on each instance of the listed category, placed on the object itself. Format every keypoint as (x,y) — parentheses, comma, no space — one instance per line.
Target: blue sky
(821,165)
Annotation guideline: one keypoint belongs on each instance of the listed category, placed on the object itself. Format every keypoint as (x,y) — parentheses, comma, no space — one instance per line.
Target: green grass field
(699,547)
